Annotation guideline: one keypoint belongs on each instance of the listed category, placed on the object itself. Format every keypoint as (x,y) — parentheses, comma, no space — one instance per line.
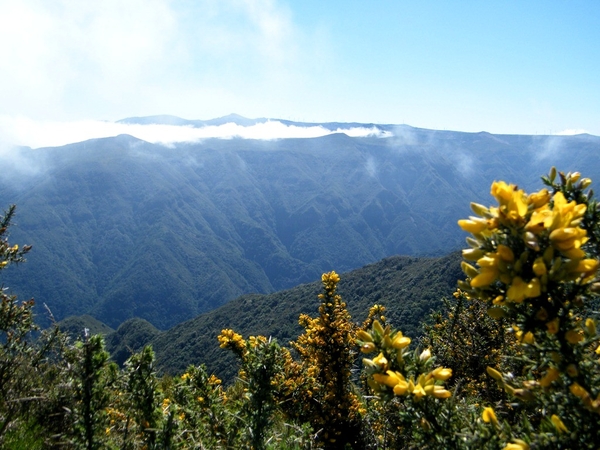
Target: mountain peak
(165,119)
(162,119)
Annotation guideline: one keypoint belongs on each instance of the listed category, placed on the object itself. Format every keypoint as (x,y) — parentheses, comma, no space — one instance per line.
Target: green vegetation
(528,301)
(411,288)
(123,228)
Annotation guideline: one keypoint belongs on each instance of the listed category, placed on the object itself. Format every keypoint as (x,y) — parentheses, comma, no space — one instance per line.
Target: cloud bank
(26,132)
(570,132)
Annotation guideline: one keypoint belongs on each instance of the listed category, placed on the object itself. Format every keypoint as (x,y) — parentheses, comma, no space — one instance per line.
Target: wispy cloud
(73,59)
(570,132)
(26,132)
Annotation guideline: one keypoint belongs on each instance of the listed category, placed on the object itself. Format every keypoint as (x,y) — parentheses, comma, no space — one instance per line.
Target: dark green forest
(124,229)
(411,288)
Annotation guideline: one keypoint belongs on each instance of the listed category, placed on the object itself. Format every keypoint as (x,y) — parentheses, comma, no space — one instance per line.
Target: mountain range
(122,228)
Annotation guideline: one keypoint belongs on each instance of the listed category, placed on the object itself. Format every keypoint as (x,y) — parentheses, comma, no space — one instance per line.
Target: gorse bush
(536,260)
(511,362)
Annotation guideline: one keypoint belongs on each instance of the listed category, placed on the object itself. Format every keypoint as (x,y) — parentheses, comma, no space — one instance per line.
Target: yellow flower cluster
(525,243)
(385,370)
(375,312)
(318,387)
(424,385)
(214,381)
(535,218)
(165,405)
(330,280)
(232,340)
(255,341)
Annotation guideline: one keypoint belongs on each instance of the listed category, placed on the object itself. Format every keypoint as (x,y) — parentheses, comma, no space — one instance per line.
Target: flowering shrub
(318,389)
(535,265)
(512,363)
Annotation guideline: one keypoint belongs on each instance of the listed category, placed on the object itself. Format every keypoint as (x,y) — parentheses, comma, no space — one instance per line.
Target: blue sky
(504,67)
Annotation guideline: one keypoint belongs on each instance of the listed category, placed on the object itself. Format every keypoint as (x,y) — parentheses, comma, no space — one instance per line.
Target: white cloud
(26,132)
(75,59)
(570,132)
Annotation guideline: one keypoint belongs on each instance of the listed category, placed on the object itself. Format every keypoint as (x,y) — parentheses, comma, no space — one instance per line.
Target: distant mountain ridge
(122,228)
(239,120)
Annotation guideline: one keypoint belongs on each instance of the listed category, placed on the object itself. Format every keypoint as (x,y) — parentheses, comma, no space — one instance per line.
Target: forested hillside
(509,362)
(411,288)
(122,228)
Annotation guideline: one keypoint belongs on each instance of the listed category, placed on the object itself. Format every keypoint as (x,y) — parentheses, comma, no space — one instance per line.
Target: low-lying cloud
(571,132)
(26,132)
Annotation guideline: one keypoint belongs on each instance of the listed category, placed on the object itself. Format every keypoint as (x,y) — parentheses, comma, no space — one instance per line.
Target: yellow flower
(440,392)
(489,416)
(527,338)
(165,405)
(540,220)
(578,391)
(480,210)
(573,337)
(539,199)
(553,326)
(494,373)
(378,328)
(552,374)
(391,379)
(330,278)
(539,267)
(517,444)
(568,238)
(418,392)
(474,225)
(590,326)
(505,253)
(381,361)
(512,201)
(520,290)
(425,355)
(368,347)
(560,426)
(213,380)
(472,254)
(441,373)
(401,342)
(587,266)
(401,388)
(485,277)
(573,177)
(364,336)
(469,270)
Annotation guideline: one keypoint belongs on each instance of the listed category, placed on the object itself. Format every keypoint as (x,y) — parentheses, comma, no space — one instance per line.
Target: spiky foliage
(317,388)
(537,261)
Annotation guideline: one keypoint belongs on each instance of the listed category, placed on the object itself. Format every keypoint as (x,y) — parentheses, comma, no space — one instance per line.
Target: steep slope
(122,228)
(410,288)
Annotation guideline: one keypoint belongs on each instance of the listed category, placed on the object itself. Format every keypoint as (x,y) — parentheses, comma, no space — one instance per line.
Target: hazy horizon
(509,68)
